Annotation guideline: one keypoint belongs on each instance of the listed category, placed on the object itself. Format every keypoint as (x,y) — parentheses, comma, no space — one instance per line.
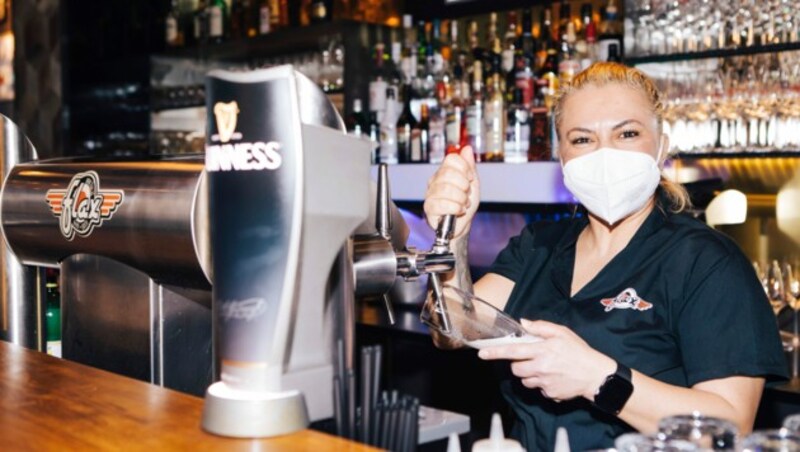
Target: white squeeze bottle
(453,444)
(497,442)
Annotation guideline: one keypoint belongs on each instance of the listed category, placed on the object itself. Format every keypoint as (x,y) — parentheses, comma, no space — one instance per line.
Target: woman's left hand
(562,365)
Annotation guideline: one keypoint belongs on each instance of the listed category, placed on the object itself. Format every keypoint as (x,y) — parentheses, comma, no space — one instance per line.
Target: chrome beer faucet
(378,263)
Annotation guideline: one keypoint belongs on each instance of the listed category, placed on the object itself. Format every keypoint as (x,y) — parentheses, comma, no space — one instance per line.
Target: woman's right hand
(454,190)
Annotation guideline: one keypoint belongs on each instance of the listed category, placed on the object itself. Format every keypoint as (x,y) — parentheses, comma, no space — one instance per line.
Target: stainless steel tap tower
(242,267)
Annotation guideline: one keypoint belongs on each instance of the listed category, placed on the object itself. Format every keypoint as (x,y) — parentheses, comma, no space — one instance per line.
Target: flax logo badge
(627,299)
(83,206)
(228,152)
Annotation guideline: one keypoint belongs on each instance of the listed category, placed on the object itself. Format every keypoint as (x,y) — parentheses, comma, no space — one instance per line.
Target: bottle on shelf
(53,312)
(200,23)
(237,26)
(455,120)
(494,110)
(173,31)
(264,17)
(374,134)
(275,13)
(610,31)
(389,151)
(357,122)
(320,11)
(613,53)
(474,112)
(518,130)
(585,46)
(408,132)
(568,65)
(409,64)
(437,145)
(510,39)
(251,22)
(217,19)
(424,136)
(378,84)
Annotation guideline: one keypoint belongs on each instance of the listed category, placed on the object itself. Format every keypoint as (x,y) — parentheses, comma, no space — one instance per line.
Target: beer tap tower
(242,267)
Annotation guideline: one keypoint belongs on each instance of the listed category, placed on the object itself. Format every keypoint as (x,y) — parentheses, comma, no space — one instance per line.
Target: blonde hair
(605,73)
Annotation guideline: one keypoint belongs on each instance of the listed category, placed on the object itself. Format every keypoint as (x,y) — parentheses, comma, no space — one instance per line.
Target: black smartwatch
(614,393)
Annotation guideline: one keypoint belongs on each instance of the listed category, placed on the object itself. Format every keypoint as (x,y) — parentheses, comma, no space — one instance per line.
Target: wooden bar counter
(48,403)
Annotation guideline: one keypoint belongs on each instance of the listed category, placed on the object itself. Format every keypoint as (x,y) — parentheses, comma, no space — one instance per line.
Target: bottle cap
(453,444)
(497,441)
(357,105)
(408,21)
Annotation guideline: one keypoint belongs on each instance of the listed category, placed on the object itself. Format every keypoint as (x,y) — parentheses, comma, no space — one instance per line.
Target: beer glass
(707,433)
(472,321)
(781,440)
(637,442)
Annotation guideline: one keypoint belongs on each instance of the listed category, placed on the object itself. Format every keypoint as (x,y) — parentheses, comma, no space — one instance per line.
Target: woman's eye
(630,134)
(579,140)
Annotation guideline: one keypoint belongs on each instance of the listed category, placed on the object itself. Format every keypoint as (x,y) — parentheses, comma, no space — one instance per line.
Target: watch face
(613,395)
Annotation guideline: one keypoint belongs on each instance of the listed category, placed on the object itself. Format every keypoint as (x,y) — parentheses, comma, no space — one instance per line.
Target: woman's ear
(663,149)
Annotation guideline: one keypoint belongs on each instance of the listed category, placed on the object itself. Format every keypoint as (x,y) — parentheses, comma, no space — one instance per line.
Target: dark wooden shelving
(717,53)
(281,42)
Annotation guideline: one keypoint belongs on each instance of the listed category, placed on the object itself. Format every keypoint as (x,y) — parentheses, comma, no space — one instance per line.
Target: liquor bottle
(374,134)
(539,145)
(217,15)
(53,313)
(610,31)
(378,84)
(357,122)
(546,41)
(518,130)
(321,11)
(409,62)
(250,18)
(568,65)
(264,17)
(564,18)
(613,53)
(456,119)
(389,152)
(510,43)
(173,33)
(494,111)
(408,143)
(587,37)
(200,23)
(274,15)
(237,25)
(491,32)
(475,124)
(424,136)
(437,118)
(283,14)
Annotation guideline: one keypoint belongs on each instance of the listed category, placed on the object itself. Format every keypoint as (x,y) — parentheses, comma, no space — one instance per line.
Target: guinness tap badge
(239,155)
(226,115)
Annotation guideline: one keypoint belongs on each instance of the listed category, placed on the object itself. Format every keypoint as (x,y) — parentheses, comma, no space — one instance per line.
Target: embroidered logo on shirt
(627,299)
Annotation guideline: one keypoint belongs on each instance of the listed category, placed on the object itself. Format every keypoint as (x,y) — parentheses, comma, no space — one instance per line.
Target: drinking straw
(351,404)
(366,391)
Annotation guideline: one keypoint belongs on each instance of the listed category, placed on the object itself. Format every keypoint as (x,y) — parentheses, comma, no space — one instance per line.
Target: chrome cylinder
(375,265)
(22,308)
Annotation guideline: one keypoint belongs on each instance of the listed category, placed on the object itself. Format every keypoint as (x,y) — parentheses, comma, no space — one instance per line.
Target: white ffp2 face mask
(612,183)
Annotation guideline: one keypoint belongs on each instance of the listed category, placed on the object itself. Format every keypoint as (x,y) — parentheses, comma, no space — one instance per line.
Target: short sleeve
(726,326)
(510,261)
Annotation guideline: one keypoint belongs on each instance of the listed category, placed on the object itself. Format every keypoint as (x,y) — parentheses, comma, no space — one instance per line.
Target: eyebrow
(618,126)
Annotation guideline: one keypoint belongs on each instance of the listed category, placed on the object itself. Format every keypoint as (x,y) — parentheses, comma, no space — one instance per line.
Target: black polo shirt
(680,303)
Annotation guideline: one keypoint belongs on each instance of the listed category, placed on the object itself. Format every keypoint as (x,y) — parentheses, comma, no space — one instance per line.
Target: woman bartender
(644,312)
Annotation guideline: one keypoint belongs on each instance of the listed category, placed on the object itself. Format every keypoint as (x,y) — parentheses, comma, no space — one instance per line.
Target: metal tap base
(253,414)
